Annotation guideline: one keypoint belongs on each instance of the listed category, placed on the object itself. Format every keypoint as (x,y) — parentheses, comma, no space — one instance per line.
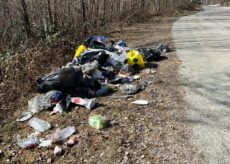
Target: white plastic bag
(40,102)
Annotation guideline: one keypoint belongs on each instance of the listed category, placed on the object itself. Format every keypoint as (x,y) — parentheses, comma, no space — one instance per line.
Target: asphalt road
(203,45)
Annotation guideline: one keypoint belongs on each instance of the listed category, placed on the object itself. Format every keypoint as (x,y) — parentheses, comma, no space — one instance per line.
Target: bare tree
(43,18)
(25,17)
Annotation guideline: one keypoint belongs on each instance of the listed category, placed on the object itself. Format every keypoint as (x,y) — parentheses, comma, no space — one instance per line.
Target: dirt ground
(138,134)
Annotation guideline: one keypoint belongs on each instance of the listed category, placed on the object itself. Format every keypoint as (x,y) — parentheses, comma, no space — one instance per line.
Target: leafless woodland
(20,19)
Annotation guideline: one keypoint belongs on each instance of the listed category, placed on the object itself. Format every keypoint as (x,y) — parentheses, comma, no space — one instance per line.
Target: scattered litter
(98,122)
(147,82)
(76,108)
(122,75)
(29,142)
(163,48)
(36,134)
(56,97)
(99,67)
(150,71)
(72,141)
(120,57)
(57,109)
(24,116)
(151,54)
(97,75)
(141,102)
(1,154)
(120,97)
(88,103)
(80,49)
(57,151)
(130,89)
(40,102)
(89,68)
(127,69)
(39,125)
(136,77)
(62,134)
(64,80)
(45,142)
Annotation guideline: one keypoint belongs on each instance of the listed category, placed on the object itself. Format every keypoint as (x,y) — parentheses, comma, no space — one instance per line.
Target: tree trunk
(51,24)
(25,17)
(84,17)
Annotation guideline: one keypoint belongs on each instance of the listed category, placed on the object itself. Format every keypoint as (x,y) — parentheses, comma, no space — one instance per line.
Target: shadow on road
(214,91)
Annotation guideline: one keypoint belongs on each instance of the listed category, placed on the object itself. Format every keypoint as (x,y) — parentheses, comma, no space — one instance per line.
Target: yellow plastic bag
(135,58)
(80,49)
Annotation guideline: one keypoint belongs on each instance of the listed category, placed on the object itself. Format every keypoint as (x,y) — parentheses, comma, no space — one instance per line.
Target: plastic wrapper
(39,125)
(40,102)
(62,134)
(29,142)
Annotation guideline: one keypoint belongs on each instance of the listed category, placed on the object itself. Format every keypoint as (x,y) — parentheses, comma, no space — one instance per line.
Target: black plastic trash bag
(90,83)
(83,92)
(97,42)
(64,80)
(90,56)
(163,48)
(149,54)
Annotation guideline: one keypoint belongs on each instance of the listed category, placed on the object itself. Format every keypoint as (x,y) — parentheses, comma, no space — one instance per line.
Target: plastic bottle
(29,142)
(121,58)
(62,134)
(39,125)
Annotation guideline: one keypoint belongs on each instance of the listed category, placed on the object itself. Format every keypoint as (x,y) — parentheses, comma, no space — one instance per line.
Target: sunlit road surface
(203,44)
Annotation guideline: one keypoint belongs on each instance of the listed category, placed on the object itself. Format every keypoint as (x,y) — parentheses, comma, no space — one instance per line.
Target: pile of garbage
(100,67)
